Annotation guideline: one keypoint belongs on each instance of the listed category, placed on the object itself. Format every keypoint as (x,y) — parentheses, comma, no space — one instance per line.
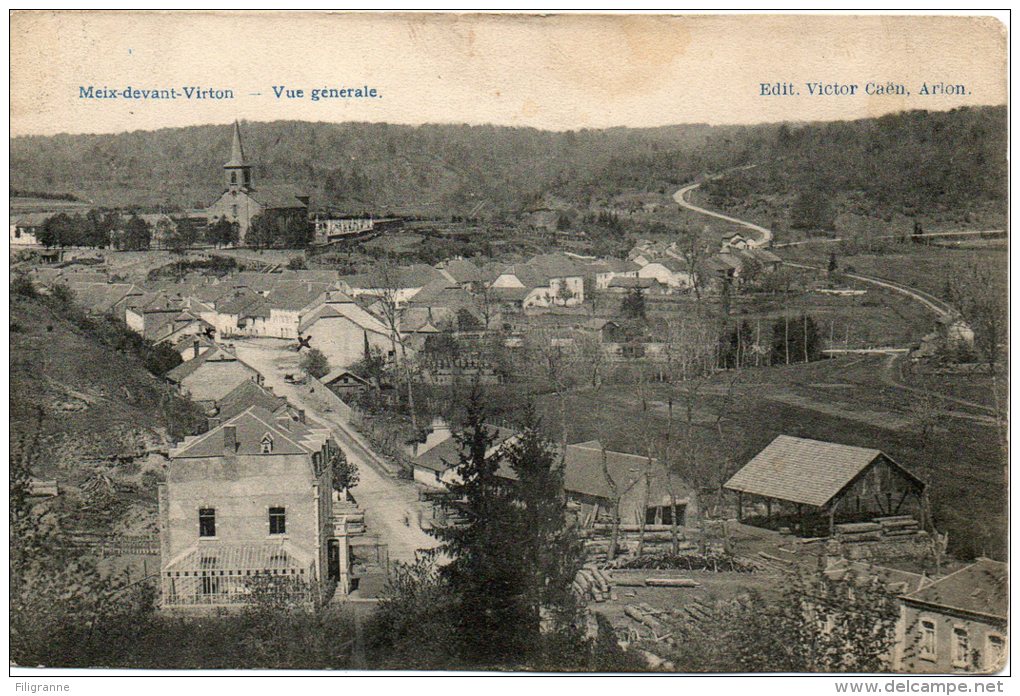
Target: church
(241,202)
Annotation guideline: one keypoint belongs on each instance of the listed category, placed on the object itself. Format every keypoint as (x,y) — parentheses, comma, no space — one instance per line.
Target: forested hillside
(915,164)
(910,159)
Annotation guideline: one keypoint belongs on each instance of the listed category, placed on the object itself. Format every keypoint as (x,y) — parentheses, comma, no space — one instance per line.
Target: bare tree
(389,300)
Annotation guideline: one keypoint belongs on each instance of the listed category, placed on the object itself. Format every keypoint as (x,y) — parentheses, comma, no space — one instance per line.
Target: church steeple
(237,170)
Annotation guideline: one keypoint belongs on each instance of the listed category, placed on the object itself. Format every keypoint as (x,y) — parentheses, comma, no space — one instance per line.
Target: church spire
(238,171)
(236,150)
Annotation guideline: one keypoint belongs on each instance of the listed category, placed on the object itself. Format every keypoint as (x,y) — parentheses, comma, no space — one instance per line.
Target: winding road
(681,198)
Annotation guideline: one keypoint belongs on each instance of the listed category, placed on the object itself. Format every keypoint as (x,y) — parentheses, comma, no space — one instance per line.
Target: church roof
(236,150)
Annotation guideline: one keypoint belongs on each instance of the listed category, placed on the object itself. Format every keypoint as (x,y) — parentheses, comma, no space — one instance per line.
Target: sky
(555,72)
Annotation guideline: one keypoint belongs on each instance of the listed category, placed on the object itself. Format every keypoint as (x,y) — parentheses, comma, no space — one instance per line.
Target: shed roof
(805,471)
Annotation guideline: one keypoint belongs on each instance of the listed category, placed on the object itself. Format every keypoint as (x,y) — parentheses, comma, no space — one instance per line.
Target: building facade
(250,503)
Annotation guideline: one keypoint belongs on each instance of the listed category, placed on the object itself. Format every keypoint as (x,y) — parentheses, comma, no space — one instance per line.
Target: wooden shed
(812,479)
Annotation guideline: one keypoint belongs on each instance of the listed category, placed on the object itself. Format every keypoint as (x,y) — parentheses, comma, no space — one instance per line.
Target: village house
(811,485)
(247,394)
(26,227)
(103,299)
(242,202)
(211,376)
(957,624)
(149,313)
(345,384)
(251,501)
(346,332)
(544,281)
(461,273)
(192,346)
(668,272)
(184,324)
(396,286)
(642,487)
(604,271)
(435,460)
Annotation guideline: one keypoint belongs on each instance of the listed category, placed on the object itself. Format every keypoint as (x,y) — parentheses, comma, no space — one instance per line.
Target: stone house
(250,501)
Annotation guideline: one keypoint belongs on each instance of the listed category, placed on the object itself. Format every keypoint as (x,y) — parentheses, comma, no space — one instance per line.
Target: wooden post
(768,509)
(740,506)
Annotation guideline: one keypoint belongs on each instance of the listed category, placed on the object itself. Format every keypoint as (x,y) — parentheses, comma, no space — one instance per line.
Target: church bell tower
(237,170)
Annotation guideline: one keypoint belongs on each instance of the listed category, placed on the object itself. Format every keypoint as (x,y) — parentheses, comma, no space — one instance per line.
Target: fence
(108,545)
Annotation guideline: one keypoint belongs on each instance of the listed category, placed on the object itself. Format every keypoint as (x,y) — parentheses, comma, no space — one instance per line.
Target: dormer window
(267,444)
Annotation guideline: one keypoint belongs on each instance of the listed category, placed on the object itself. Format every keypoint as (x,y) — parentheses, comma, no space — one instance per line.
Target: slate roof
(188,368)
(446,455)
(294,296)
(629,282)
(244,396)
(350,310)
(441,293)
(340,372)
(416,276)
(583,472)
(289,436)
(805,471)
(462,271)
(101,298)
(277,197)
(981,588)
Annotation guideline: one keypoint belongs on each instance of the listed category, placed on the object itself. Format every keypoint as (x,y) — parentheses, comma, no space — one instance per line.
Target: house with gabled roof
(596,478)
(812,485)
(398,285)
(670,272)
(212,375)
(248,394)
(461,272)
(343,331)
(956,624)
(545,280)
(250,502)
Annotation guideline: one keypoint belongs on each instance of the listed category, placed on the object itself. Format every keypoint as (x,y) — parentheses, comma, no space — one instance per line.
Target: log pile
(900,525)
(658,538)
(592,583)
(881,527)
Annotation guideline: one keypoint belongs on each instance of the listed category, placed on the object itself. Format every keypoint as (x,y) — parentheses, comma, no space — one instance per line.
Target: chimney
(194,347)
(230,439)
(301,415)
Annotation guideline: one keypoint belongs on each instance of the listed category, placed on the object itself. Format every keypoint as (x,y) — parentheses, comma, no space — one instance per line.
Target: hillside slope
(88,412)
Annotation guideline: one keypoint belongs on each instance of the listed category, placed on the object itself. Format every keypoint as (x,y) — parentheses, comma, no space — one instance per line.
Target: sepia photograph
(509,343)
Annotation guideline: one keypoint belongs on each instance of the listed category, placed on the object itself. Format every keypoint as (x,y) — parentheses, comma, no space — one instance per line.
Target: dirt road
(390,504)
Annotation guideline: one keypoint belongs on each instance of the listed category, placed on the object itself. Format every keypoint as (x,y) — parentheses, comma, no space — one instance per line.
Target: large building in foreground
(242,202)
(247,502)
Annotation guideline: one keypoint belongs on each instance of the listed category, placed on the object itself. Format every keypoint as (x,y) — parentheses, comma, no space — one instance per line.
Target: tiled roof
(441,293)
(252,425)
(415,276)
(804,471)
(980,588)
(340,372)
(101,297)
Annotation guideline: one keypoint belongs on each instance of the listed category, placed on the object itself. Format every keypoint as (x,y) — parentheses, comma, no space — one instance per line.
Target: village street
(390,504)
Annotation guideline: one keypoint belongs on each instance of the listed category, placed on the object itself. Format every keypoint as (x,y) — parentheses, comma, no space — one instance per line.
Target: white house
(546,280)
(669,272)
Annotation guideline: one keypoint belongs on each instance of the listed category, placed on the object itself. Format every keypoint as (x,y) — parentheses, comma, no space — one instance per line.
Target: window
(961,647)
(267,444)
(277,520)
(995,653)
(927,646)
(233,210)
(207,522)
(233,177)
